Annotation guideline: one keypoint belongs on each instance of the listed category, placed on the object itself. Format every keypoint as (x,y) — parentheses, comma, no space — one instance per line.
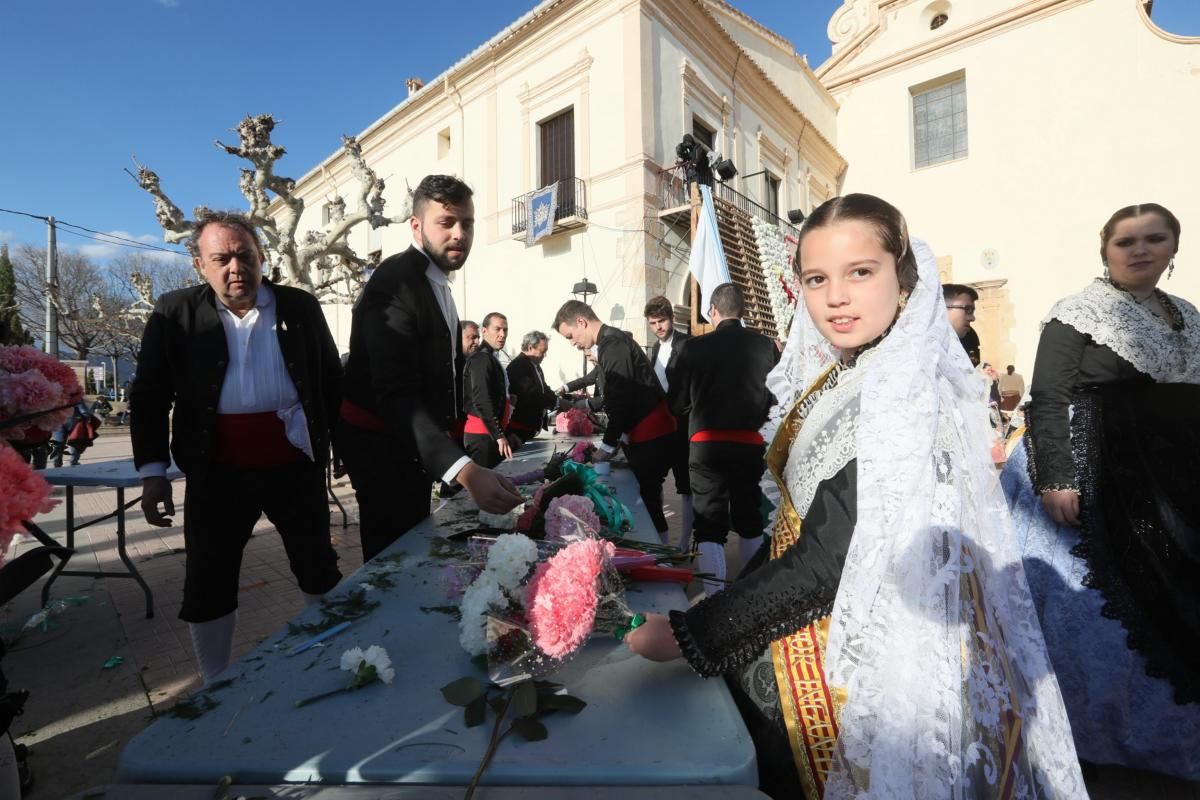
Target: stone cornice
(831,72)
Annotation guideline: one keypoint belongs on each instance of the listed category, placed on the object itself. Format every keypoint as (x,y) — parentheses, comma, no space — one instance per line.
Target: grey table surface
(645,723)
(294,792)
(118,473)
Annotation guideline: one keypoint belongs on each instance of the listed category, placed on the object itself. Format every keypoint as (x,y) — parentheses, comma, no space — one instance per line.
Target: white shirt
(445,300)
(664,356)
(256,379)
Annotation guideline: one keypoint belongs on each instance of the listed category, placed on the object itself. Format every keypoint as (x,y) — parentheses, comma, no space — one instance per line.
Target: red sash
(659,422)
(253,441)
(476,424)
(729,435)
(357,415)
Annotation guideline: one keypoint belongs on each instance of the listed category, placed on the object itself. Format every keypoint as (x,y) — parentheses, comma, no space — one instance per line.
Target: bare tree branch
(323,261)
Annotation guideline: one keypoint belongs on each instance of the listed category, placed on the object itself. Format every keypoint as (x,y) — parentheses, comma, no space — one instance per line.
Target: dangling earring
(1106,275)
(1170,267)
(903,301)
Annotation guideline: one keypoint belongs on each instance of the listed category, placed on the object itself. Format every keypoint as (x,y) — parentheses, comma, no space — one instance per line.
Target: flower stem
(491,751)
(322,696)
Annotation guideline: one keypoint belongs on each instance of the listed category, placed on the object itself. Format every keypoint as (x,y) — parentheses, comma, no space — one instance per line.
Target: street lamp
(582,290)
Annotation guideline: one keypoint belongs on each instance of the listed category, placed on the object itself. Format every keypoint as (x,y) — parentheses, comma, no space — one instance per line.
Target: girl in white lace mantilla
(904,651)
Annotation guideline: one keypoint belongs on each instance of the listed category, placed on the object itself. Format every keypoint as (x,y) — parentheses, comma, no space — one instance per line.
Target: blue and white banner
(539,211)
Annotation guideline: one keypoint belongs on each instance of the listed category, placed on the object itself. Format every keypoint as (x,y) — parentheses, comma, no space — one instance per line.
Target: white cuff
(607,448)
(153,469)
(454,470)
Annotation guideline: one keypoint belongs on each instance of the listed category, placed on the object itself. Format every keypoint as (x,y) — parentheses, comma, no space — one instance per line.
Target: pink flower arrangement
(31,382)
(560,525)
(573,423)
(562,596)
(25,495)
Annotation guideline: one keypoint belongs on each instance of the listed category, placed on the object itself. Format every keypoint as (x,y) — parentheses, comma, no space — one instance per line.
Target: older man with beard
(403,409)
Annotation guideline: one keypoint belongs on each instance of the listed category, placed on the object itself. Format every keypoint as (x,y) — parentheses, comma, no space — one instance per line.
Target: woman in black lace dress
(1106,501)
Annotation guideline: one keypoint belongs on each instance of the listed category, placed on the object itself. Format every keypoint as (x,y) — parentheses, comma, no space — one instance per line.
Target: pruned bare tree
(134,282)
(321,261)
(80,280)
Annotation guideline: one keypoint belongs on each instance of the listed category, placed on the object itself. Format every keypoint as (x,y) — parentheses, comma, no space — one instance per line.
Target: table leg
(137,576)
(70,545)
(329,488)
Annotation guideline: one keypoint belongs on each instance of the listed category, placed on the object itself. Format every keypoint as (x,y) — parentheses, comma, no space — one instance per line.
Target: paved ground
(80,715)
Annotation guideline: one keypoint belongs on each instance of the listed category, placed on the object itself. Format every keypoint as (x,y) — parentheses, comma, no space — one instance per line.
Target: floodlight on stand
(795,216)
(725,169)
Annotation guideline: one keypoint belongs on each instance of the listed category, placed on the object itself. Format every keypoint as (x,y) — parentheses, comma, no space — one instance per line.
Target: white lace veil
(933,634)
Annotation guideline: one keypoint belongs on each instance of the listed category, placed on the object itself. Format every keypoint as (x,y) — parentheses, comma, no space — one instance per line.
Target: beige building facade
(1008,132)
(593,95)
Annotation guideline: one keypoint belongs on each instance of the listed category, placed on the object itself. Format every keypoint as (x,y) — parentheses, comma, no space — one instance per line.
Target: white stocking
(748,547)
(712,561)
(213,643)
(688,520)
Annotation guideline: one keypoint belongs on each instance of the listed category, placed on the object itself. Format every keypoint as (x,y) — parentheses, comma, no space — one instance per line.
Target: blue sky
(85,85)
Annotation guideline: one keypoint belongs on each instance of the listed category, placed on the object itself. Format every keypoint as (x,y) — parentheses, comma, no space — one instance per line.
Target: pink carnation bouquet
(25,495)
(572,591)
(37,393)
(574,422)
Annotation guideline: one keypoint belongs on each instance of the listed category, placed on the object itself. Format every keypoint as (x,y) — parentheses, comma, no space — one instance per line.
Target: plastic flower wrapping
(32,382)
(566,516)
(574,422)
(535,604)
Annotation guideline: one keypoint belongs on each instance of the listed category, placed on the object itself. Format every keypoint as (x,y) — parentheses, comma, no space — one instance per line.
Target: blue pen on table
(320,637)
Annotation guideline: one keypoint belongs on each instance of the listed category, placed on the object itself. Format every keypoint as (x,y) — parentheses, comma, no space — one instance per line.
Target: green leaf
(564,702)
(547,685)
(480,661)
(524,699)
(463,691)
(497,703)
(530,729)
(475,712)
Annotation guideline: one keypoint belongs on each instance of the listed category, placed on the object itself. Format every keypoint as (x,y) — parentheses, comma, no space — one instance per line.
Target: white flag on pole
(707,261)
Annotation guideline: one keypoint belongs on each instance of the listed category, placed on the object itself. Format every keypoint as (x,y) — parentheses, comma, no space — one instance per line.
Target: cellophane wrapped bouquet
(534,604)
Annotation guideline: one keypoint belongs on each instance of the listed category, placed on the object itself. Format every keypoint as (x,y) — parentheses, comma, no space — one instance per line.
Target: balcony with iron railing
(673,199)
(570,209)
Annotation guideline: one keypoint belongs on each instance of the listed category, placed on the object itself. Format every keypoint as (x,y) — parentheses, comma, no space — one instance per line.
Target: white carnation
(509,558)
(504,522)
(378,658)
(480,596)
(352,658)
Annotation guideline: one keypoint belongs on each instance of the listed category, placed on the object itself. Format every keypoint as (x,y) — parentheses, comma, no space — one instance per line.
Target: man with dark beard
(403,390)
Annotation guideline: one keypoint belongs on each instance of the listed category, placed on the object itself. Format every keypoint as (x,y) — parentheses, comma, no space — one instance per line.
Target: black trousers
(725,489)
(679,464)
(482,449)
(391,486)
(650,462)
(220,509)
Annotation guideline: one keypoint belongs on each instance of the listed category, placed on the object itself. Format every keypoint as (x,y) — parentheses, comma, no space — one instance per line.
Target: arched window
(938,21)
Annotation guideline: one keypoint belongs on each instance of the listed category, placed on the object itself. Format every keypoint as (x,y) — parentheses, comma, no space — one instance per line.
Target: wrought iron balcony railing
(570,209)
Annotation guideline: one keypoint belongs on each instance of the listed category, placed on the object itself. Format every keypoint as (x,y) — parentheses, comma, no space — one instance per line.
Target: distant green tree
(11,330)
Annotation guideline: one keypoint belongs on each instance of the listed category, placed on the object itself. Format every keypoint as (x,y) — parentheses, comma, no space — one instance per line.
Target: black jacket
(485,395)
(528,384)
(631,389)
(400,365)
(720,379)
(677,342)
(182,363)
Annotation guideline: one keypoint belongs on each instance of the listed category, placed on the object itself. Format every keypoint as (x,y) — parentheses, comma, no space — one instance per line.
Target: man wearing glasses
(960,310)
